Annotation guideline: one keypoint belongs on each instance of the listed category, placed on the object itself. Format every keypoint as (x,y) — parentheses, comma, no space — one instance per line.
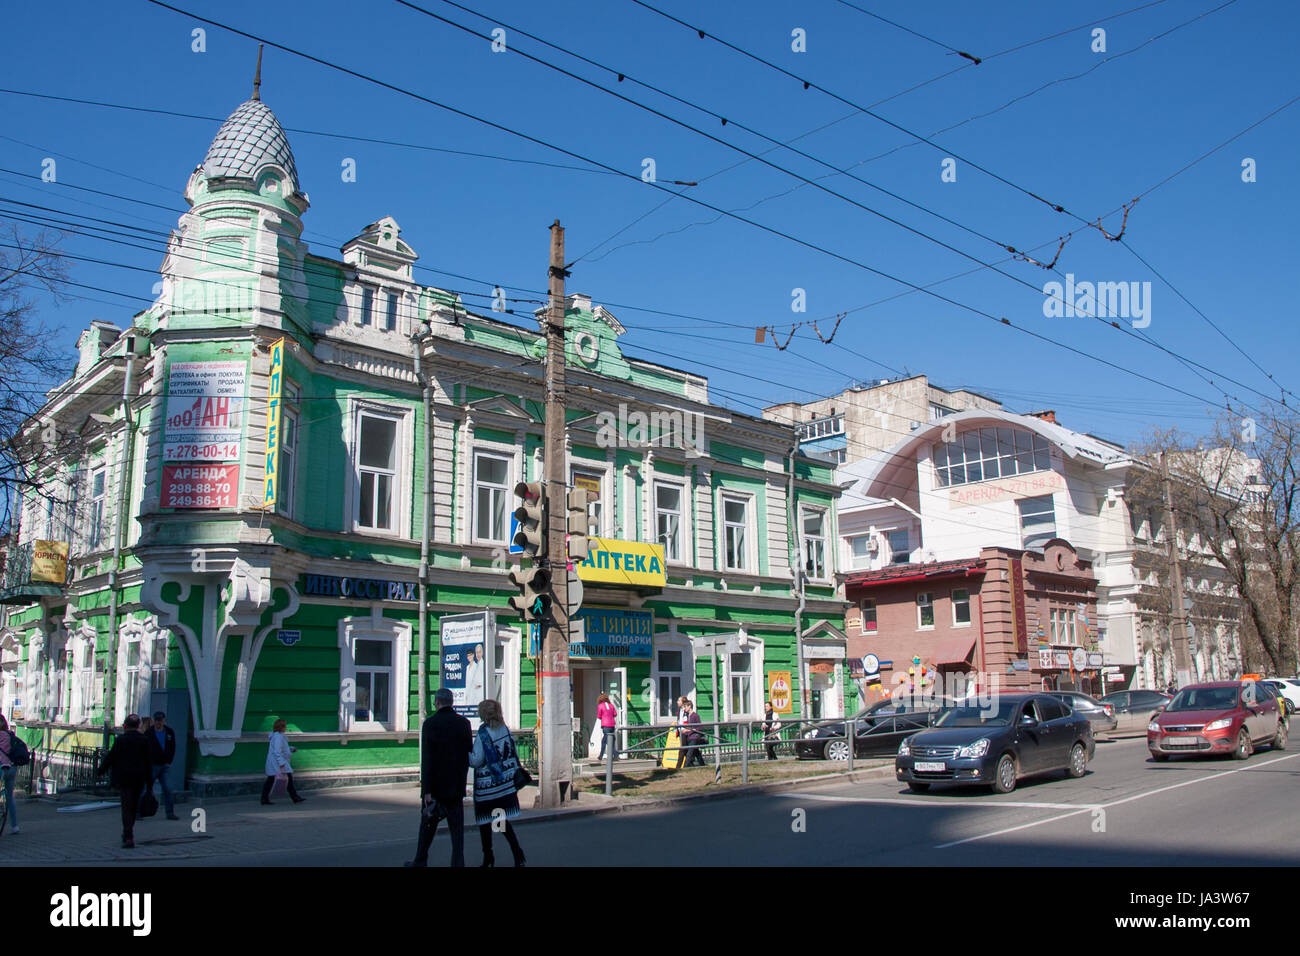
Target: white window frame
(134,632)
(366,316)
(288,463)
(98,509)
(506,489)
(601,474)
(81,700)
(724,525)
(893,554)
(929,602)
(862,616)
(682,513)
(1020,514)
(374,627)
(402,444)
(671,641)
(952,599)
(806,540)
(509,644)
(757,691)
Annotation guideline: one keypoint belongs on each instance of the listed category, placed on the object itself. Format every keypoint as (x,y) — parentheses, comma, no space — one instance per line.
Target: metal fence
(59,770)
(732,742)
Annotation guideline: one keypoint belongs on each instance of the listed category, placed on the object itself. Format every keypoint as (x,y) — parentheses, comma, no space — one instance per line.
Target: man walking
(129,761)
(162,751)
(445,743)
(690,737)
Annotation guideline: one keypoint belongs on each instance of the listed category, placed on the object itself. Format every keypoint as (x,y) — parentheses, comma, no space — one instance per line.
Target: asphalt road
(1127,811)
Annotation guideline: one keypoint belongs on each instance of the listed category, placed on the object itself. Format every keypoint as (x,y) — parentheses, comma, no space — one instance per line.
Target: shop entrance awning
(954,650)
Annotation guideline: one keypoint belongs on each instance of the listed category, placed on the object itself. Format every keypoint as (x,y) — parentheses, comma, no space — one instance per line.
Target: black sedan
(1017,735)
(1136,701)
(878,730)
(1101,716)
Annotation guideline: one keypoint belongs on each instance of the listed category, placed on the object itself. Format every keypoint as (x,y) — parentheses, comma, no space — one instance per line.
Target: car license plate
(924,766)
(1183,741)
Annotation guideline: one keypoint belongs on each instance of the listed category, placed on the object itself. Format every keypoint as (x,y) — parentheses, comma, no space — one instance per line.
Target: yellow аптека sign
(631,563)
(274,387)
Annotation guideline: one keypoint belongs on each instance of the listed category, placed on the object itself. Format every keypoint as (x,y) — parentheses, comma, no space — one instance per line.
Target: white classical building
(990,478)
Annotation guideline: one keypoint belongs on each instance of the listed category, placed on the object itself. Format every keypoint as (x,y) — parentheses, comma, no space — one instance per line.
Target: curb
(633,804)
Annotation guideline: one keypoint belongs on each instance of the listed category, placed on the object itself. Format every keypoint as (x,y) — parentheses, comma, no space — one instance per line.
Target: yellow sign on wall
(631,563)
(50,561)
(274,383)
(780,691)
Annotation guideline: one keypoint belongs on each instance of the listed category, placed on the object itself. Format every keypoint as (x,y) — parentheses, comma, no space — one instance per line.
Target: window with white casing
(1037,521)
(860,551)
(924,611)
(376,451)
(96,531)
(393,300)
(814,543)
(672,675)
(744,688)
(374,671)
(491,494)
(669,524)
(367,316)
(961,607)
(591,482)
(82,662)
(900,546)
(735,531)
(288,463)
(868,608)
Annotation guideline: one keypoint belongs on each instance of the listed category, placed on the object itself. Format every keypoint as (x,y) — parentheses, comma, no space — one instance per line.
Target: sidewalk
(383,815)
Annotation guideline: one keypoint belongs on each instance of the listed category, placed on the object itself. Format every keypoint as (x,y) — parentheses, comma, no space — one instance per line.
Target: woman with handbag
(279,772)
(497,780)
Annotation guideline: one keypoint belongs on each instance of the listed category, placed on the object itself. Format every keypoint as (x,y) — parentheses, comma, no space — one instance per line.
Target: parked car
(1136,701)
(1100,715)
(1288,689)
(877,732)
(1224,717)
(1020,735)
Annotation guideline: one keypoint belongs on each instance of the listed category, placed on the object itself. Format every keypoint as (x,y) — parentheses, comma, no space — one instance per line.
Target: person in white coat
(277,762)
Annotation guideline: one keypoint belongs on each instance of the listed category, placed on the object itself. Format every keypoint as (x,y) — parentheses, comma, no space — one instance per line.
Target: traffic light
(533,602)
(579,523)
(531,515)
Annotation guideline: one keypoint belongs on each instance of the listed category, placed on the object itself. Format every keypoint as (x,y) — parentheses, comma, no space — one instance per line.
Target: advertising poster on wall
(468,660)
(205,411)
(203,430)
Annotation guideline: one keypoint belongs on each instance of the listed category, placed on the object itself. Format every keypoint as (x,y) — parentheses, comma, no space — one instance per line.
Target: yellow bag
(672,752)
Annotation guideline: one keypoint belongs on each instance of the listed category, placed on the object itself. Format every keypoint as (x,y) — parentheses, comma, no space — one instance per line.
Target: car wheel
(918,787)
(1279,740)
(1004,781)
(1078,761)
(837,750)
(1243,745)
(1160,758)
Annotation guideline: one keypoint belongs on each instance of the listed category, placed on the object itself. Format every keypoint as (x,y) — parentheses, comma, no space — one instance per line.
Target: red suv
(1223,717)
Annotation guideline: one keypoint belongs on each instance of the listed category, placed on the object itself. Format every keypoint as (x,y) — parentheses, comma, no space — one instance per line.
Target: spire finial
(257,79)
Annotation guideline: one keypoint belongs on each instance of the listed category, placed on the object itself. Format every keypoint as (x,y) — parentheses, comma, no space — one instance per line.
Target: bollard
(744,753)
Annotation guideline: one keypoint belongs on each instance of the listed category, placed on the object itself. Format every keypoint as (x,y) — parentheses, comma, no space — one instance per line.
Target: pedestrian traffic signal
(579,523)
(533,602)
(531,515)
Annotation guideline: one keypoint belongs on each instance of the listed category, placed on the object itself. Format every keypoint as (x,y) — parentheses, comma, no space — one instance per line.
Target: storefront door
(590,680)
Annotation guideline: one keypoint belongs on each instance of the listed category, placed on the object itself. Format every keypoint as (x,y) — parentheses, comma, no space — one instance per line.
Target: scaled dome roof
(250,138)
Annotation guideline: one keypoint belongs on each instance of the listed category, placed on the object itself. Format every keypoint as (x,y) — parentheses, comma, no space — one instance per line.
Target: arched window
(987,453)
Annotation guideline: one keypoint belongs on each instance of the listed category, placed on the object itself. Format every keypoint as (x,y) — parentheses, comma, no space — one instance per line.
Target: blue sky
(1090,144)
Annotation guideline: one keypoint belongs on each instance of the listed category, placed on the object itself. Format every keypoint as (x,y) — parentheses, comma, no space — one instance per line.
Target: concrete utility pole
(556,738)
(1178,626)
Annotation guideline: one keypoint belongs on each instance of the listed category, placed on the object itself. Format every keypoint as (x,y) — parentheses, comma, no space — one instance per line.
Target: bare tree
(29,263)
(1237,491)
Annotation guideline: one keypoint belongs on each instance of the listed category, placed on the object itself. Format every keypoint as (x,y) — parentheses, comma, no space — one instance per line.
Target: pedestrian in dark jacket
(445,743)
(130,766)
(495,762)
(691,738)
(162,751)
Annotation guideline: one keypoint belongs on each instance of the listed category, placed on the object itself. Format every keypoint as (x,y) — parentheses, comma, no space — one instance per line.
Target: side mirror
(1161,709)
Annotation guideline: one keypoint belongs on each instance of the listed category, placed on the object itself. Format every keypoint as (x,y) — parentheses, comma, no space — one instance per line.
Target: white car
(1288,687)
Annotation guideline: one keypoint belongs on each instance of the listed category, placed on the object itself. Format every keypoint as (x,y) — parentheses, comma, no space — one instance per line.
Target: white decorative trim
(374,626)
